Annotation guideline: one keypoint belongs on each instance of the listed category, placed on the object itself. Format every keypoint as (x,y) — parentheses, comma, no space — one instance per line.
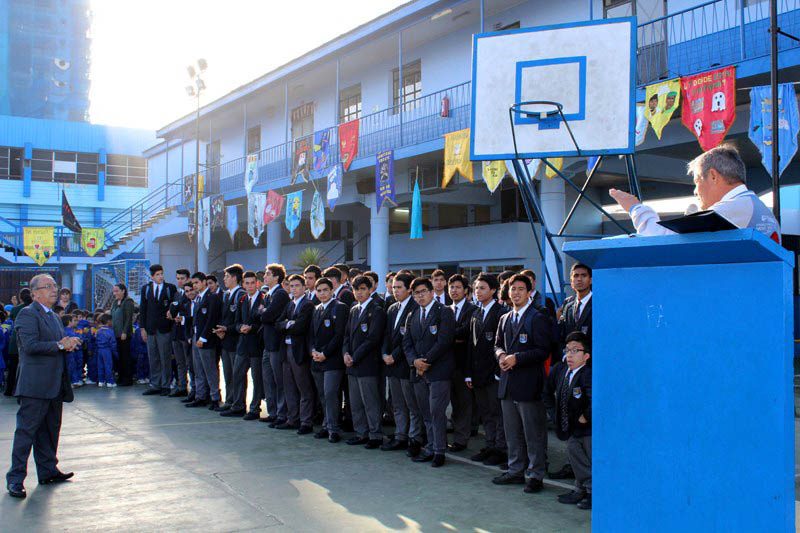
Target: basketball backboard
(586,67)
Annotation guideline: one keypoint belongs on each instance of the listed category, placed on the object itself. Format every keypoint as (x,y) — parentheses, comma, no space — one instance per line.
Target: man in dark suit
(362,357)
(482,372)
(154,302)
(325,338)
(226,330)
(185,329)
(181,347)
(439,281)
(428,346)
(407,417)
(248,351)
(375,280)
(460,395)
(42,386)
(275,301)
(310,276)
(576,313)
(340,291)
(389,295)
(206,312)
(522,345)
(536,296)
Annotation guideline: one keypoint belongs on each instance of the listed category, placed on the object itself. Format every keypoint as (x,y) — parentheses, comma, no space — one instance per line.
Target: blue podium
(693,403)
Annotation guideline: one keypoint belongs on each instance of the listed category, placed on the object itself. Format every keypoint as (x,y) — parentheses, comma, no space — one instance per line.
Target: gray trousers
(407,419)
(328,384)
(228,359)
(38,427)
(579,451)
(432,398)
(272,380)
(525,424)
(365,406)
(183,361)
(206,374)
(299,390)
(492,415)
(461,399)
(159,355)
(241,365)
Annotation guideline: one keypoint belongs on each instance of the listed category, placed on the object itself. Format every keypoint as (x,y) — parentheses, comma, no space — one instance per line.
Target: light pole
(198,85)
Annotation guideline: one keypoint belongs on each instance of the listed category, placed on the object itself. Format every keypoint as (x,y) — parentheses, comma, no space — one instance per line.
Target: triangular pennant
(493,173)
(317,215)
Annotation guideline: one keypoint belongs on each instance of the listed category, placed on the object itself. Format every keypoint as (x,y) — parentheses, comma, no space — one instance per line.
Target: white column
(553,208)
(379,241)
(202,256)
(274,236)
(77,287)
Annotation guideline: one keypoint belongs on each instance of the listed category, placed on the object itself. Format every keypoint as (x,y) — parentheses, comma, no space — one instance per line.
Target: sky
(141,48)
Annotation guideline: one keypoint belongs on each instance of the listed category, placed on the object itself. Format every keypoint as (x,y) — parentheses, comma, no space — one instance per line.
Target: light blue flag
(760,131)
(591,165)
(334,186)
(416,213)
(232,215)
(294,207)
(317,215)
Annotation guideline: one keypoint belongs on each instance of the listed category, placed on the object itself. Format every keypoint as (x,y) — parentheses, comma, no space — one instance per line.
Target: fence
(134,273)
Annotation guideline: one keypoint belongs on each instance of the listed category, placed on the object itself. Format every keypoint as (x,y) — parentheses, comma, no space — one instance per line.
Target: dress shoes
(16,490)
(269,420)
(177,393)
(287,425)
(305,430)
(232,413)
(252,416)
(509,479)
(456,447)
(482,455)
(357,441)
(394,445)
(496,458)
(188,399)
(438,460)
(414,448)
(334,438)
(565,473)
(373,444)
(164,392)
(571,498)
(57,478)
(277,422)
(585,503)
(322,434)
(197,403)
(423,457)
(533,486)
(151,392)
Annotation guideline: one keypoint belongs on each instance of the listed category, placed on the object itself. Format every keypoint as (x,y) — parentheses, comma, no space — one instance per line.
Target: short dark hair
(105,319)
(406,271)
(389,275)
(581,265)
(530,273)
(212,277)
(489,279)
(373,276)
(25,296)
(65,290)
(249,274)
(260,275)
(421,281)
(199,276)
(522,278)
(313,269)
(344,269)
(58,309)
(458,278)
(156,268)
(354,272)
(333,272)
(362,280)
(236,270)
(405,279)
(183,272)
(437,273)
(66,319)
(504,275)
(581,337)
(278,270)
(323,281)
(297,277)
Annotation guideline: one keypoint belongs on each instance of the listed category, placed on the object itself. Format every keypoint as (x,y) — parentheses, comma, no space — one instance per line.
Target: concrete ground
(149,464)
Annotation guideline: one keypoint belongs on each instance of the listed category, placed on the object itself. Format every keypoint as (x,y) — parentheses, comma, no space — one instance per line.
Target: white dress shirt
(400,311)
(582,302)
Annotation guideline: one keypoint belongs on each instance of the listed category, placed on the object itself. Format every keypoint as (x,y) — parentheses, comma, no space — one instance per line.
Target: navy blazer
(531,341)
(294,324)
(229,305)
(363,338)
(346,297)
(568,324)
(393,339)
(462,334)
(326,335)
(152,312)
(579,400)
(176,309)
(482,364)
(273,309)
(432,341)
(206,318)
(249,344)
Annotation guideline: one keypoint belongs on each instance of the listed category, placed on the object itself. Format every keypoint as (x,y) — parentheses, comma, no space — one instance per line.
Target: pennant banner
(348,143)
(192,227)
(334,186)
(531,164)
(273,207)
(493,173)
(317,215)
(255,215)
(93,240)
(251,173)
(39,243)
(641,124)
(188,189)
(709,105)
(232,222)
(68,219)
(557,162)
(760,131)
(322,140)
(218,212)
(205,222)
(294,209)
(384,179)
(302,158)
(661,99)
(416,213)
(456,156)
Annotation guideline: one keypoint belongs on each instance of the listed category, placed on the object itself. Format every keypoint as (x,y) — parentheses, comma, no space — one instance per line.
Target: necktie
(358,311)
(423,315)
(158,291)
(293,309)
(516,319)
(577,310)
(563,407)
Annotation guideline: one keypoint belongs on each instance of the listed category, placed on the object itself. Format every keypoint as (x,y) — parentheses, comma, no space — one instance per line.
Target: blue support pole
(102,159)
(741,30)
(26,170)
(482,15)
(591,9)
(400,80)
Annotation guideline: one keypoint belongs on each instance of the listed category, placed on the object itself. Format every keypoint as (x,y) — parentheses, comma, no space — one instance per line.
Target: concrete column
(274,236)
(77,286)
(379,241)
(202,257)
(554,210)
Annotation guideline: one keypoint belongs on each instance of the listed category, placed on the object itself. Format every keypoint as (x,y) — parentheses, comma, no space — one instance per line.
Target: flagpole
(773,30)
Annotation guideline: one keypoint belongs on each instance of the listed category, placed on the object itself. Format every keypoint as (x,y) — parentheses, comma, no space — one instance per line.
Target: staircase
(137,230)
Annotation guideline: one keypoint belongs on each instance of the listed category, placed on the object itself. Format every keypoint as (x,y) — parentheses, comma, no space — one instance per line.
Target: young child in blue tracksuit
(74,358)
(106,344)
(85,329)
(4,338)
(139,352)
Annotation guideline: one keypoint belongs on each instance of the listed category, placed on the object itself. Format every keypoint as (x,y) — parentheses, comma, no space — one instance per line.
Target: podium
(693,404)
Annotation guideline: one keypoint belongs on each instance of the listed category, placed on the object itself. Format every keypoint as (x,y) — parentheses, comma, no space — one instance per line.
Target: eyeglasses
(421,292)
(48,287)
(573,350)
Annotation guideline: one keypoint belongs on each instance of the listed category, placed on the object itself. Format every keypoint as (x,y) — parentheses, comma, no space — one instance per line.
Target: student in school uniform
(226,330)
(340,291)
(275,300)
(311,274)
(461,397)
(439,281)
(206,310)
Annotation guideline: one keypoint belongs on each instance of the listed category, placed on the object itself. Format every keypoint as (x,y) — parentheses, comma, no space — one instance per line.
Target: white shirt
(271,291)
(325,305)
(403,305)
(427,310)
(439,298)
(572,373)
(253,300)
(337,291)
(485,310)
(363,306)
(457,308)
(517,315)
(582,303)
(157,290)
(198,300)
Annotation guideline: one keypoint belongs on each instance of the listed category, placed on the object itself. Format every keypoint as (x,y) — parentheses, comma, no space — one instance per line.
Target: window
(10,163)
(350,103)
(483,215)
(303,121)
(254,139)
(511,207)
(452,216)
(411,88)
(42,165)
(126,170)
(428,175)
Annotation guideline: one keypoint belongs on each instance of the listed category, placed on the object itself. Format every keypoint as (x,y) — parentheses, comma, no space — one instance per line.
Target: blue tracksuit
(139,352)
(89,356)
(74,359)
(106,354)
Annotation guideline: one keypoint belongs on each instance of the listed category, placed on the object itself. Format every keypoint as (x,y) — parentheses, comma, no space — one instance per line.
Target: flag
(317,215)
(273,207)
(760,130)
(416,213)
(188,189)
(334,186)
(39,243)
(348,143)
(591,165)
(709,105)
(531,164)
(255,215)
(302,158)
(192,227)
(456,156)
(294,210)
(205,222)
(661,101)
(218,212)
(68,219)
(384,179)
(641,124)
(201,185)
(493,173)
(232,221)
(321,151)
(557,162)
(251,173)
(93,240)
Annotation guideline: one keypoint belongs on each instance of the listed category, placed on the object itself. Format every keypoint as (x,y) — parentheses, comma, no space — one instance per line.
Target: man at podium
(719,185)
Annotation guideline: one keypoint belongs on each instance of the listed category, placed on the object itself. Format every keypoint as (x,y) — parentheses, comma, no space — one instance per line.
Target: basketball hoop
(546,113)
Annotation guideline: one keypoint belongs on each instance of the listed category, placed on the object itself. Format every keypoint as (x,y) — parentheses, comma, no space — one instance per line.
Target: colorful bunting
(255,215)
(93,240)
(334,186)
(760,131)
(68,218)
(641,124)
(531,164)
(348,143)
(493,173)
(558,163)
(39,243)
(302,158)
(456,156)
(192,226)
(232,221)
(384,179)
(294,210)
(273,207)
(251,173)
(321,151)
(218,212)
(709,105)
(317,215)
(416,213)
(661,101)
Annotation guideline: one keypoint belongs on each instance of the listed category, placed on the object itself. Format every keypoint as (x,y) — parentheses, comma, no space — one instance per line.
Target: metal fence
(134,273)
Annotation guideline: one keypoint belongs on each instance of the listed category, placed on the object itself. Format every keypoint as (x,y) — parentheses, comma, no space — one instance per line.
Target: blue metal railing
(710,35)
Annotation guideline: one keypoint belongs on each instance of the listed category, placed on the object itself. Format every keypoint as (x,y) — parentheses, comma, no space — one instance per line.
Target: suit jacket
(363,339)
(388,301)
(42,371)
(432,341)
(531,341)
(175,306)
(152,312)
(249,344)
(568,324)
(346,297)
(229,306)
(380,299)
(273,309)
(393,339)
(312,296)
(482,364)
(293,324)
(447,299)
(184,309)
(206,318)
(537,301)
(326,335)
(461,336)
(579,400)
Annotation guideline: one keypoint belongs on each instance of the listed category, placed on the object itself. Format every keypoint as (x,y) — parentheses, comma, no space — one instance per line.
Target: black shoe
(456,447)
(509,479)
(151,392)
(373,444)
(269,420)
(197,403)
(357,441)
(497,458)
(277,422)
(287,425)
(334,438)
(565,473)
(414,448)
(164,392)
(16,490)
(252,416)
(177,393)
(232,413)
(533,486)
(394,445)
(423,457)
(188,399)
(322,434)
(305,430)
(438,460)
(215,406)
(571,497)
(57,478)
(585,503)
(503,466)
(482,455)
